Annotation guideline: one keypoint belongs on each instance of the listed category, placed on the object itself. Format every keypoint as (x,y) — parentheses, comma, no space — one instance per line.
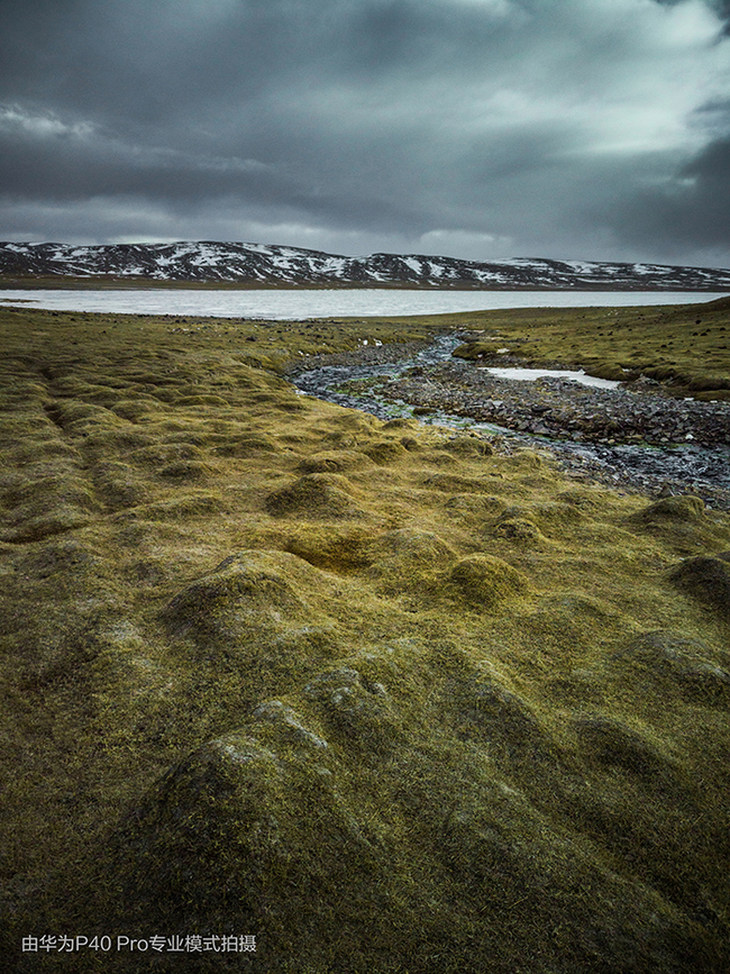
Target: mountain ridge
(252,264)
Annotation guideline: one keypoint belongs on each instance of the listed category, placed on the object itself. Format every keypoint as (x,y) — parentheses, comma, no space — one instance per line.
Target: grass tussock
(379,695)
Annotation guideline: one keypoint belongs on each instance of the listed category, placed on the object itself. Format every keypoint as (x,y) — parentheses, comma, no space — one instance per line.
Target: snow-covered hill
(257,264)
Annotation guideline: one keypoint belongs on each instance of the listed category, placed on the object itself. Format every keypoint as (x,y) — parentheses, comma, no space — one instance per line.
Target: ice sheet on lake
(295,304)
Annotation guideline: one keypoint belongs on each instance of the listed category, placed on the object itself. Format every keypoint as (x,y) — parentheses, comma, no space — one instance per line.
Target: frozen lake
(355,303)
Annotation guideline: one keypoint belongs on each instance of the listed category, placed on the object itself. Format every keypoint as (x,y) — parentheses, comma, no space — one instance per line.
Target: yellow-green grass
(372,692)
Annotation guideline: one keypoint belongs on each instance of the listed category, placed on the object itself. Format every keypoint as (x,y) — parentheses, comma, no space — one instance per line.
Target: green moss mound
(471,351)
(333,548)
(675,664)
(244,591)
(393,551)
(469,446)
(186,470)
(707,579)
(486,582)
(35,508)
(246,445)
(192,504)
(386,451)
(614,745)
(683,508)
(202,400)
(315,496)
(483,709)
(257,807)
(519,529)
(335,461)
(356,711)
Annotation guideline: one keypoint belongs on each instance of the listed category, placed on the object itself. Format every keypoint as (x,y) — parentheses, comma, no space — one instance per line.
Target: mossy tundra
(374,693)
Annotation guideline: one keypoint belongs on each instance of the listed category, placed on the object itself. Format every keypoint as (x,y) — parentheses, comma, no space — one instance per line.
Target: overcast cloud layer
(595,129)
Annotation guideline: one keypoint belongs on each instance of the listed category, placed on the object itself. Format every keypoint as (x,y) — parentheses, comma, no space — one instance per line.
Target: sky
(584,129)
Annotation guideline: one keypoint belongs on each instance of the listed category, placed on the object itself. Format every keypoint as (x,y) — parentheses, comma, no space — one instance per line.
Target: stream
(648,452)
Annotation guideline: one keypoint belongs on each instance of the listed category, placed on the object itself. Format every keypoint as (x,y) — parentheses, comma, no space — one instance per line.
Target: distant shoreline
(137,283)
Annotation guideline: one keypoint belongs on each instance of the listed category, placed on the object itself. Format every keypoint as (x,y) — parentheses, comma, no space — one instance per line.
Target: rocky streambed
(635,436)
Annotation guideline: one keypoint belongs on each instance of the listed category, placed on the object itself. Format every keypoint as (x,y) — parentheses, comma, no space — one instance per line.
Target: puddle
(529,375)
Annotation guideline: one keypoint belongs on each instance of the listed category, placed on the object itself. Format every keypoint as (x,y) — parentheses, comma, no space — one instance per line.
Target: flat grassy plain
(371,692)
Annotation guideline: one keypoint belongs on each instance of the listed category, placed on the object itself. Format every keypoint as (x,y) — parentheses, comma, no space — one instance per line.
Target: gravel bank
(636,437)
(563,409)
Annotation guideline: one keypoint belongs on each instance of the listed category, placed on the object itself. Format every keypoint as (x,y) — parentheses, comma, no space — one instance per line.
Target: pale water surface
(529,375)
(354,303)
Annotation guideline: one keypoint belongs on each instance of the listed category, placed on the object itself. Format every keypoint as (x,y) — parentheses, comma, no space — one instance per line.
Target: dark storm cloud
(476,127)
(692,209)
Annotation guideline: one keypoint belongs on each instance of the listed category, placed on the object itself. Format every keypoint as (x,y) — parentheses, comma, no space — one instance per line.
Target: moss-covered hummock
(374,693)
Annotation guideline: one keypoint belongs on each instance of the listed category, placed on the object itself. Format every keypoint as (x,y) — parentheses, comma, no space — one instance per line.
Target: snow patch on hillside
(251,263)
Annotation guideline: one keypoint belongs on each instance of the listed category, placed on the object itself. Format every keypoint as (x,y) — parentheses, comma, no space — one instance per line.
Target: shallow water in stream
(682,468)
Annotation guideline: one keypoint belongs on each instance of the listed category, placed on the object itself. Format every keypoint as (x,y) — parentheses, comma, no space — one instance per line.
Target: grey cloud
(692,210)
(62,163)
(367,120)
